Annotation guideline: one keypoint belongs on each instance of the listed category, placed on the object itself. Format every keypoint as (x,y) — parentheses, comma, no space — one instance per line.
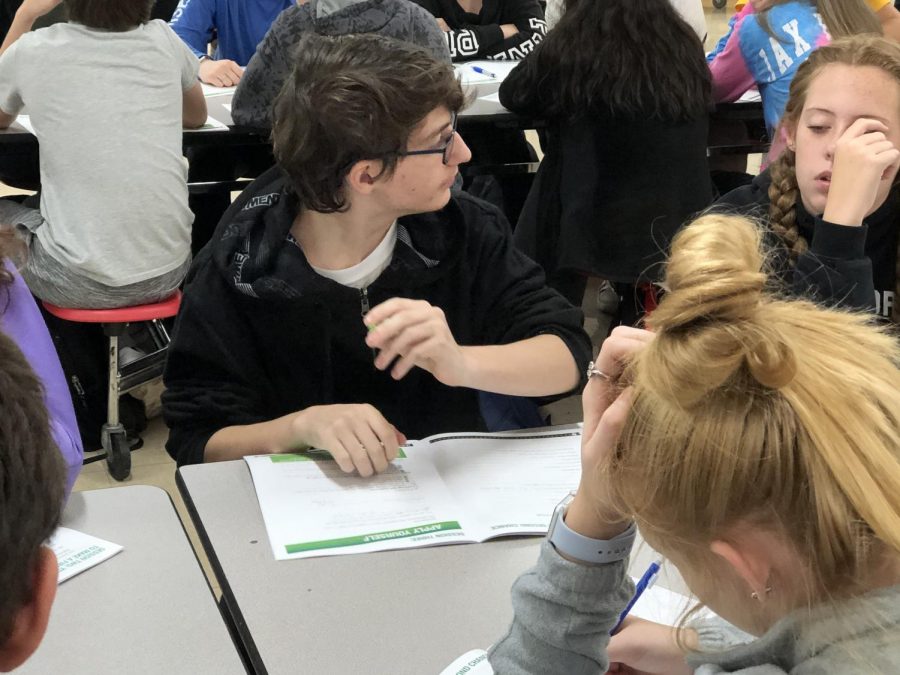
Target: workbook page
(506,484)
(312,508)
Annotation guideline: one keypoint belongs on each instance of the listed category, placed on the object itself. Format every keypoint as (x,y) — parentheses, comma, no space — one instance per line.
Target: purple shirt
(22,321)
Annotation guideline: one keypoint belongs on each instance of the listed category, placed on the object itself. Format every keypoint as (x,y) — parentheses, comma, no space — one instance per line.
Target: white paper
(25,121)
(444,489)
(468,75)
(210,90)
(213,124)
(474,662)
(227,106)
(491,98)
(76,551)
(661,605)
(312,508)
(507,483)
(750,96)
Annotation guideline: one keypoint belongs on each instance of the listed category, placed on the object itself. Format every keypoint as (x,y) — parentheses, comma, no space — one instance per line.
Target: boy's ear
(30,622)
(362,176)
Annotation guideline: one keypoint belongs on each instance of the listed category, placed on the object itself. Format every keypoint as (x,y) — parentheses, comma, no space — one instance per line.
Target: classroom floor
(152,466)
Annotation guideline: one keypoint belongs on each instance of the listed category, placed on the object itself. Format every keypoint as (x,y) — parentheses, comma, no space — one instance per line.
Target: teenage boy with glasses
(348,299)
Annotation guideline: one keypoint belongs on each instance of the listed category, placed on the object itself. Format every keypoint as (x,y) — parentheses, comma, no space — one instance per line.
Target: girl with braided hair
(832,200)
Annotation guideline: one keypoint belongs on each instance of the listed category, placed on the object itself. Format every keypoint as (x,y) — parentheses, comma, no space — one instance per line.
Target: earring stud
(755,595)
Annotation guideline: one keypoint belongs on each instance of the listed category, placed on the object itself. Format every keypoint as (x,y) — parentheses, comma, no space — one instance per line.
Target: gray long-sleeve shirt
(273,61)
(563,613)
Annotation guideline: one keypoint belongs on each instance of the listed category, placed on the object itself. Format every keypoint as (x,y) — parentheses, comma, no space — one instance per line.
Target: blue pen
(646,582)
(482,71)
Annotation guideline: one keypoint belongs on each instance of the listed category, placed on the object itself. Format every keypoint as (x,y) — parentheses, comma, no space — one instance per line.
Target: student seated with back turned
(33,478)
(273,61)
(348,298)
(114,226)
(755,442)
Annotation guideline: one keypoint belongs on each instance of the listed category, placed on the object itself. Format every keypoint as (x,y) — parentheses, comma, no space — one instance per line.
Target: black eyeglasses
(445,150)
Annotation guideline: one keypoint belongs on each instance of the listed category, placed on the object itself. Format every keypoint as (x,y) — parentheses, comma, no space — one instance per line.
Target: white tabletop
(411,611)
(148,609)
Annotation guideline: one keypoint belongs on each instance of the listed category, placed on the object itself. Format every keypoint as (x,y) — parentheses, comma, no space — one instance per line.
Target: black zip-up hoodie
(260,334)
(851,267)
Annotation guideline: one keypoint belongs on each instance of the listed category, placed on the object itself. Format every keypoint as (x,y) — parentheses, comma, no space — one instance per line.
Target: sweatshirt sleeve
(562,615)
(835,270)
(212,377)
(268,69)
(730,75)
(720,45)
(21,320)
(528,17)
(521,91)
(194,22)
(517,302)
(486,41)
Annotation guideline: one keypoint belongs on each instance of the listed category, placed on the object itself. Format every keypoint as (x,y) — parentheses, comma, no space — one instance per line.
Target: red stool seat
(156,310)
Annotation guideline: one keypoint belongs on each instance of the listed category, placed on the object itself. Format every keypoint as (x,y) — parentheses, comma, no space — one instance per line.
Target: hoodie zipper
(364,309)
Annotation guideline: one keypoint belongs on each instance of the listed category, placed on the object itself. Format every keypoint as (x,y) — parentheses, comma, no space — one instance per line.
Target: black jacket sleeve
(472,41)
(522,91)
(528,17)
(517,303)
(213,378)
(833,271)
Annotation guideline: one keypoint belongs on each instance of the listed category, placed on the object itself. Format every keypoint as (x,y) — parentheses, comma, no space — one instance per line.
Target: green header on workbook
(374,537)
(313,456)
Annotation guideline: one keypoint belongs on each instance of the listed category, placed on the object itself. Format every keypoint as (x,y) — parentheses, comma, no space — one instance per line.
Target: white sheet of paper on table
(25,121)
(500,69)
(209,90)
(750,96)
(76,551)
(492,98)
(212,124)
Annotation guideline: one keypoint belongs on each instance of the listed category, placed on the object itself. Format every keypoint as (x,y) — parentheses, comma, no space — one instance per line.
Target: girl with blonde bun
(755,442)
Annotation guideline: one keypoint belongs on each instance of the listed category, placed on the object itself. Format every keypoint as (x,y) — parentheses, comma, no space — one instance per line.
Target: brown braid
(783,193)
(895,310)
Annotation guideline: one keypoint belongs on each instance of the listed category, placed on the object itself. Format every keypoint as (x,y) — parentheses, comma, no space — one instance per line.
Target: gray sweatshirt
(563,613)
(272,63)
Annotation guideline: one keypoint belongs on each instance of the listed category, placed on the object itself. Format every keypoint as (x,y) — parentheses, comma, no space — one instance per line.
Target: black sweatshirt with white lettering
(480,36)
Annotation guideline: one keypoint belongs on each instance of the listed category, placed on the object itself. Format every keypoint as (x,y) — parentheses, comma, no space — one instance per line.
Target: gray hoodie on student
(272,63)
(564,612)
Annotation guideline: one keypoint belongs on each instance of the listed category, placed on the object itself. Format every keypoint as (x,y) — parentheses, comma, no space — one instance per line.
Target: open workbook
(445,489)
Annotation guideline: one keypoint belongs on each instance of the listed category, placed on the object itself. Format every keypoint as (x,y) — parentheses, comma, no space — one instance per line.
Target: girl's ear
(788,131)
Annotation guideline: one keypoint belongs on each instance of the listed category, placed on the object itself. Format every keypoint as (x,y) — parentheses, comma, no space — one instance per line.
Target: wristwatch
(577,546)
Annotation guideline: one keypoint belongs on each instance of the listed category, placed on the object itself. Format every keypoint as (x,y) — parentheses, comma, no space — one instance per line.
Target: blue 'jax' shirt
(239,25)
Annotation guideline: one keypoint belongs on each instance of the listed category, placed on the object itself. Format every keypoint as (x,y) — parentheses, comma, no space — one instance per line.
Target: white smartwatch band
(585,549)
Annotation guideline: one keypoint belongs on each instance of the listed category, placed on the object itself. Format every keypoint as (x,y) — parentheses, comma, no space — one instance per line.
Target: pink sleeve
(730,75)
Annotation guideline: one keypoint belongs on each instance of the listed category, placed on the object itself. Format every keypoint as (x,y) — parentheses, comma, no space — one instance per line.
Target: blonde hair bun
(715,321)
